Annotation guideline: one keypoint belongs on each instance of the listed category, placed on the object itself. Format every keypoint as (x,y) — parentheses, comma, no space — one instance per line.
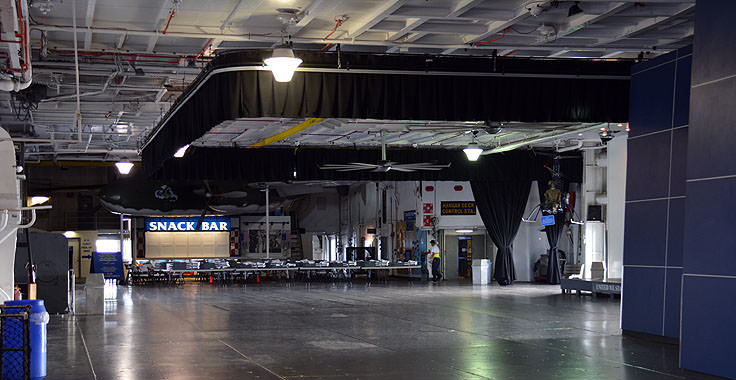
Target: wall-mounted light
(124,167)
(282,64)
(464,231)
(182,151)
(39,199)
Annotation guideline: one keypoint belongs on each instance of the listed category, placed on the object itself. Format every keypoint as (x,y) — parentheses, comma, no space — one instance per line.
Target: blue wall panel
(648,166)
(682,91)
(672,302)
(645,231)
(708,332)
(711,150)
(655,194)
(710,241)
(679,161)
(709,273)
(714,41)
(643,310)
(651,100)
(675,232)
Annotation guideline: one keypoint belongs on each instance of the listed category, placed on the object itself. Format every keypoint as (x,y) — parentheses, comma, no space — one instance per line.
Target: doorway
(464,257)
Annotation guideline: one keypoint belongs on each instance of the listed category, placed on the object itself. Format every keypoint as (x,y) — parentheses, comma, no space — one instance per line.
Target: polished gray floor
(324,331)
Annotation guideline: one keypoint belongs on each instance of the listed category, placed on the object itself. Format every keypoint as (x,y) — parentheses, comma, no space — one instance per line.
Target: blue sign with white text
(108,263)
(410,218)
(187,224)
(548,220)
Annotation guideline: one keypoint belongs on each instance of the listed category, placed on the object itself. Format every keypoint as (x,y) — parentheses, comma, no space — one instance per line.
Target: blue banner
(108,263)
(187,224)
(410,218)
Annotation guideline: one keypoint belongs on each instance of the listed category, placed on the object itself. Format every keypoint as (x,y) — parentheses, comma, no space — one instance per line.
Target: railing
(15,347)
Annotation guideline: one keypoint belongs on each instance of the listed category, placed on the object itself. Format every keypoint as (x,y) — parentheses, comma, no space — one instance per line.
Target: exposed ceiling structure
(496,137)
(136,57)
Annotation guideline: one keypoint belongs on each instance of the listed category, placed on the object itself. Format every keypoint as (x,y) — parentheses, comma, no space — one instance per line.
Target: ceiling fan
(384,165)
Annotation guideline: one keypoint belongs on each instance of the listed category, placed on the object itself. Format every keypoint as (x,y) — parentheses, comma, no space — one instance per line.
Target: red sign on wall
(427,221)
(428,208)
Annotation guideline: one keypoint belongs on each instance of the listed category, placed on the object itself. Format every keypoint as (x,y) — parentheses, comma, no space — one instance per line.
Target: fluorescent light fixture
(182,151)
(124,167)
(107,245)
(39,199)
(464,231)
(473,151)
(70,234)
(282,64)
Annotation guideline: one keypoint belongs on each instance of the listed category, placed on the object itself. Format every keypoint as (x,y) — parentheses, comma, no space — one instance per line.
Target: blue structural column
(655,194)
(708,335)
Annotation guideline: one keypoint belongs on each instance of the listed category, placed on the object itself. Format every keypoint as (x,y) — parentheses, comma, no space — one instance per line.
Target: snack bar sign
(215,223)
(458,208)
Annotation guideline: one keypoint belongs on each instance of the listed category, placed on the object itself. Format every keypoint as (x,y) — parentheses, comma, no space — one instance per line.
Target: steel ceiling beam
(583,20)
(446,48)
(645,25)
(358,27)
(88,22)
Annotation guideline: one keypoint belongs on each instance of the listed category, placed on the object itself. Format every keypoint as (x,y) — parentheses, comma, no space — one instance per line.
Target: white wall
(616,190)
(187,244)
(530,241)
(445,191)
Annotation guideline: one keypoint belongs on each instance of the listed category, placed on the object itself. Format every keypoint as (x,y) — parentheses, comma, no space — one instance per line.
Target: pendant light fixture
(282,63)
(182,151)
(473,150)
(124,167)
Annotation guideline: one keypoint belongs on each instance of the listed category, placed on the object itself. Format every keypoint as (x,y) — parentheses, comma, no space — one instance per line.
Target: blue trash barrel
(37,336)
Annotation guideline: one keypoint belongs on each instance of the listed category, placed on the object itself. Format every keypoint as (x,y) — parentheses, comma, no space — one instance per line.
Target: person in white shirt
(434,255)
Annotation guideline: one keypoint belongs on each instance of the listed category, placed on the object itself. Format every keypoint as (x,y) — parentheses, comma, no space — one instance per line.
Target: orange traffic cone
(258,278)
(210,279)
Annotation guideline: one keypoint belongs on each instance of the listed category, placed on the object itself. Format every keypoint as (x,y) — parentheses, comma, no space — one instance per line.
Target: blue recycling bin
(37,336)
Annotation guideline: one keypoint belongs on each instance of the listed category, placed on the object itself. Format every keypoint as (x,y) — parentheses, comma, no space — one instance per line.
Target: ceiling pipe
(104,68)
(78,113)
(17,84)
(538,139)
(89,151)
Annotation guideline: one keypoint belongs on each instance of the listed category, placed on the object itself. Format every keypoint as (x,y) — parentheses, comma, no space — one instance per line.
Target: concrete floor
(322,331)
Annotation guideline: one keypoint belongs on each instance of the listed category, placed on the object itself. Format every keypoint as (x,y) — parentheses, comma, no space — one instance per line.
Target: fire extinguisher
(17,294)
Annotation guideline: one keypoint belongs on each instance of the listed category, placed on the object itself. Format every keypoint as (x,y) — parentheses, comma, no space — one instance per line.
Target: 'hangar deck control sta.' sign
(187,224)
(458,208)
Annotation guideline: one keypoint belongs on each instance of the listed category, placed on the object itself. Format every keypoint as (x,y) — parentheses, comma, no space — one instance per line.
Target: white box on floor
(481,271)
(94,292)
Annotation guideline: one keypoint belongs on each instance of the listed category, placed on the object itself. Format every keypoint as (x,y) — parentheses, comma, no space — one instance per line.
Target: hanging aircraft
(555,200)
(143,197)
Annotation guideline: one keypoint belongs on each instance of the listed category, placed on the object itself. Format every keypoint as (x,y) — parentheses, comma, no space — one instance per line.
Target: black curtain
(553,237)
(222,96)
(501,206)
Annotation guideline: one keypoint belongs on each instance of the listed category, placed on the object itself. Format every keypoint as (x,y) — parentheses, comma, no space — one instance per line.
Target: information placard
(458,208)
(410,218)
(108,263)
